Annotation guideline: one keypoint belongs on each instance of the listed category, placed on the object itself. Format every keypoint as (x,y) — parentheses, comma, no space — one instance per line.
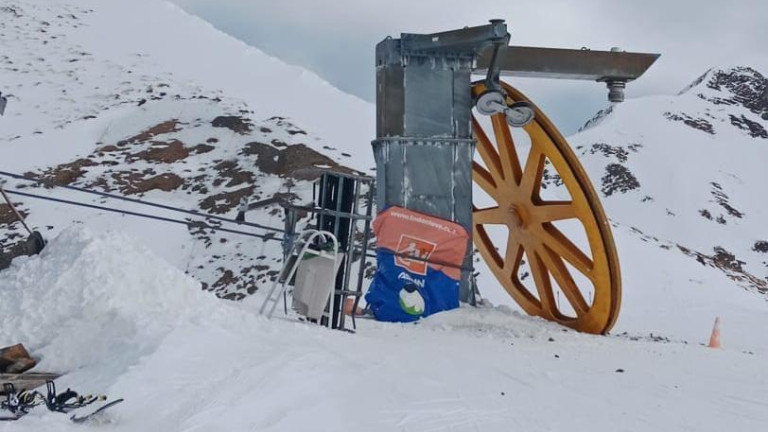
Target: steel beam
(583,64)
(462,41)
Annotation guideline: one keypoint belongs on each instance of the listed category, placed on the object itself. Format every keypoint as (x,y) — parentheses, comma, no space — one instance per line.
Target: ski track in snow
(217,365)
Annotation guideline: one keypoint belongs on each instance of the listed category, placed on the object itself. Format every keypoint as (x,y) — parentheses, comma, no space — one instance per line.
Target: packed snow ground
(121,321)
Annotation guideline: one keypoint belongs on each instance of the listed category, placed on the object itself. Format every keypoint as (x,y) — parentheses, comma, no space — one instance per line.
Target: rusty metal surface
(460,41)
(536,62)
(29,380)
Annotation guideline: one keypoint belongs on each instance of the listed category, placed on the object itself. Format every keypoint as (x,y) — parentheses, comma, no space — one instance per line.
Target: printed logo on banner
(417,248)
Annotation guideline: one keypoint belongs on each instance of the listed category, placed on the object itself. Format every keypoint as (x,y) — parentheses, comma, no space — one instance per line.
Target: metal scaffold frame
(337,210)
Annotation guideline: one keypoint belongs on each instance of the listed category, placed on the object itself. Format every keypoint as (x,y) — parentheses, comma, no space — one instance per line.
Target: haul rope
(264,237)
(137,201)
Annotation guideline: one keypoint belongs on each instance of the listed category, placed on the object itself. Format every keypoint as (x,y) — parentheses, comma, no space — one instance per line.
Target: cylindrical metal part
(616,90)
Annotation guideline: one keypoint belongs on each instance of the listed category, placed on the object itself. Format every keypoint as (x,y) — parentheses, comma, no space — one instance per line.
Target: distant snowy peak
(687,169)
(739,85)
(719,99)
(742,89)
(597,118)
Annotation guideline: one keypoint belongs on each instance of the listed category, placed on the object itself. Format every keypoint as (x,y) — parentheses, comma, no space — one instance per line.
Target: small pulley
(493,100)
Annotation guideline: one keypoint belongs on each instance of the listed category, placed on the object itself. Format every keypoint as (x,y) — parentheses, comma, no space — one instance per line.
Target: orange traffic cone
(714,340)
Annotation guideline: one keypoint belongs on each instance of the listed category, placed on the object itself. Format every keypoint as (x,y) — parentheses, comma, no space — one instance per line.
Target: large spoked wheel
(587,275)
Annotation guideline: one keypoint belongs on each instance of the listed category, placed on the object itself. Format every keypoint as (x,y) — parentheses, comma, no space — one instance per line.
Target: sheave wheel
(587,275)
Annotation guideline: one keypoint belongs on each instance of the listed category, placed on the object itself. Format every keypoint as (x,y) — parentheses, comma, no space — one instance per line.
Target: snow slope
(188,117)
(186,362)
(140,98)
(691,169)
(97,54)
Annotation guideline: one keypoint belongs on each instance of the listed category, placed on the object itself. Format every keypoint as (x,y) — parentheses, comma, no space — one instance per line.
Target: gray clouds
(336,38)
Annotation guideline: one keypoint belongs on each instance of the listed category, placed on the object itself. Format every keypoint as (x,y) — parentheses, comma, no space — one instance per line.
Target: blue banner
(399,295)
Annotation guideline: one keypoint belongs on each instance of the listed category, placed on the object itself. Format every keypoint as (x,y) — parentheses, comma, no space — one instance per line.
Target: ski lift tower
(427,134)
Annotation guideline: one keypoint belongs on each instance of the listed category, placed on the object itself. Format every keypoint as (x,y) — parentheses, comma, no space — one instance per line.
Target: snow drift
(91,300)
(185,361)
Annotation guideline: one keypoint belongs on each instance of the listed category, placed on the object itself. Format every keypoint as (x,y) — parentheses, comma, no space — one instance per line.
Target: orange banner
(424,237)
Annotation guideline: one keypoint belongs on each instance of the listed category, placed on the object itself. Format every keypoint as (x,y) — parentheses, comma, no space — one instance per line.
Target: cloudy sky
(336,38)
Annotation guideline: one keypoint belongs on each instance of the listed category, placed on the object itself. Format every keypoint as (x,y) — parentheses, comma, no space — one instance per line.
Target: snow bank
(93,299)
(120,321)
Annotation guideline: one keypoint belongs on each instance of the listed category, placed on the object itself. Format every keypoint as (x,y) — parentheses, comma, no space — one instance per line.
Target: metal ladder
(294,258)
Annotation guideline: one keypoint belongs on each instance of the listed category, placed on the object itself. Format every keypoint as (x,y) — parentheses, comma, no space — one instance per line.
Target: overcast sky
(336,38)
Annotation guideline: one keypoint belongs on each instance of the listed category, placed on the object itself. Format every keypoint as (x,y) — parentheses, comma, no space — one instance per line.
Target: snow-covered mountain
(688,172)
(142,99)
(94,102)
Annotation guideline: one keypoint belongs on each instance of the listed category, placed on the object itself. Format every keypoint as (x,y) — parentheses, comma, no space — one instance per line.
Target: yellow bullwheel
(574,283)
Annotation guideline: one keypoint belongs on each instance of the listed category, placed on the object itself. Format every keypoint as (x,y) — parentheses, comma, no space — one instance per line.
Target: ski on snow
(82,419)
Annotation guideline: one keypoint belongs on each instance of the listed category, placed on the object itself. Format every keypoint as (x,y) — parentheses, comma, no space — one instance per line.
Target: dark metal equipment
(339,195)
(342,201)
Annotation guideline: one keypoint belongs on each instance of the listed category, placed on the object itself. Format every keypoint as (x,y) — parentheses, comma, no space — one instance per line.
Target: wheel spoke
(534,169)
(560,245)
(509,162)
(513,255)
(551,211)
(484,179)
(543,284)
(562,276)
(491,215)
(487,152)
(485,246)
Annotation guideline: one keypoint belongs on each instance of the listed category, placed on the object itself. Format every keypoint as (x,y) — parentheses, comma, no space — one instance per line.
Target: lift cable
(136,201)
(264,237)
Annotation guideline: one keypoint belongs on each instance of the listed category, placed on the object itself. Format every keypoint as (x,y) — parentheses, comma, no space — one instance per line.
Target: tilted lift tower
(426,140)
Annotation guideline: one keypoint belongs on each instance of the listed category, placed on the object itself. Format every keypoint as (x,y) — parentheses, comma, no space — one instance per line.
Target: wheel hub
(516,217)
